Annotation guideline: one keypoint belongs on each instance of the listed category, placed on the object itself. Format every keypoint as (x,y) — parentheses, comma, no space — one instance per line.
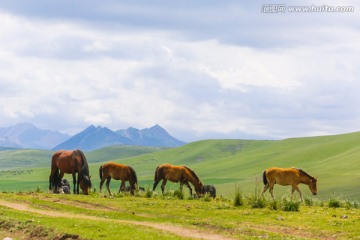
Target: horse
(118,172)
(70,162)
(288,176)
(181,174)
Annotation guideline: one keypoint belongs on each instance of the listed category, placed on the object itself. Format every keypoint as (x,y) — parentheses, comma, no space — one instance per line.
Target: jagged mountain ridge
(97,137)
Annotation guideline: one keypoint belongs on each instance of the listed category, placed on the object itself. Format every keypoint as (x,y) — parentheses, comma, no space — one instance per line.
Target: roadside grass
(218,215)
(50,227)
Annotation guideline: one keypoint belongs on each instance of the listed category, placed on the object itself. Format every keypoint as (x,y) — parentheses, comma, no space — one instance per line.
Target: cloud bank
(201,70)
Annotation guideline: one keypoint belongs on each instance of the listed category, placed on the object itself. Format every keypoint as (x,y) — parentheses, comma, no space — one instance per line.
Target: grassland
(335,160)
(51,216)
(27,211)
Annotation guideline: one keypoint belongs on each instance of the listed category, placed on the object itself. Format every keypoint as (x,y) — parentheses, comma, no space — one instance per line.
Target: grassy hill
(335,160)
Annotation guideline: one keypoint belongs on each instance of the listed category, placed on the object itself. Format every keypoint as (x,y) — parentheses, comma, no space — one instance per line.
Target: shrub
(274,205)
(309,202)
(290,206)
(334,203)
(239,199)
(179,194)
(207,197)
(148,193)
(38,190)
(257,200)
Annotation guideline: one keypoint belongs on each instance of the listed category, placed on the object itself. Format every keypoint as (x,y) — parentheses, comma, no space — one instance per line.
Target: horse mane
(193,173)
(305,173)
(85,166)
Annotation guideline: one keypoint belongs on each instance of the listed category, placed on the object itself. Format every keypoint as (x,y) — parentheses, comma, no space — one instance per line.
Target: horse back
(116,171)
(62,159)
(170,172)
(283,176)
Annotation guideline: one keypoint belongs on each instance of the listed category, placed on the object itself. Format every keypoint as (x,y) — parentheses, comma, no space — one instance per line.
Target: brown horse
(181,174)
(71,162)
(118,172)
(288,176)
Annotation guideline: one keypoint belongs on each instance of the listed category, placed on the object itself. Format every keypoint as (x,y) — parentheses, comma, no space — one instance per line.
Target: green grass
(223,163)
(209,215)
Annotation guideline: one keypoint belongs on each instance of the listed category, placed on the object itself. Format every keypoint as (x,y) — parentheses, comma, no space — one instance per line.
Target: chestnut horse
(181,174)
(71,162)
(118,172)
(288,176)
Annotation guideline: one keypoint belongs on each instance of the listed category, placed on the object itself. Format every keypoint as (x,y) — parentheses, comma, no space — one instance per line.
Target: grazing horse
(288,176)
(118,172)
(70,162)
(181,174)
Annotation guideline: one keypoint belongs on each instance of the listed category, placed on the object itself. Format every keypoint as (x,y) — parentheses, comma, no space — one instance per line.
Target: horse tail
(133,173)
(264,178)
(55,181)
(156,174)
(100,172)
(54,175)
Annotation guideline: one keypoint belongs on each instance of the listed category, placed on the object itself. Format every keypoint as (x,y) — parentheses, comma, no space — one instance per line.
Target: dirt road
(176,230)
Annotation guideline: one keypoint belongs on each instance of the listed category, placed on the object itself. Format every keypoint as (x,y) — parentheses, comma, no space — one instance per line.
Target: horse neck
(305,179)
(195,181)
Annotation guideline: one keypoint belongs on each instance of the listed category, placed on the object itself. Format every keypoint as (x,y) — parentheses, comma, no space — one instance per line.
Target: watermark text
(283,8)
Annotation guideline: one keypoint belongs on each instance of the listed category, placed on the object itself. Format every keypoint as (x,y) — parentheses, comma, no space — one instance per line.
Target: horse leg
(58,181)
(108,185)
(74,182)
(271,191)
(122,186)
(298,189)
(101,184)
(132,187)
(266,187)
(188,185)
(163,185)
(292,192)
(155,184)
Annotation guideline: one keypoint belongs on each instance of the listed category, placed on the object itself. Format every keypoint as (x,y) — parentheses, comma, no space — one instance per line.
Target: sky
(200,69)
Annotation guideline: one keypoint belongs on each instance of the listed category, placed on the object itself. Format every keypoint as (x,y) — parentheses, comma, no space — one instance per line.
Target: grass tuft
(179,194)
(334,203)
(290,206)
(239,198)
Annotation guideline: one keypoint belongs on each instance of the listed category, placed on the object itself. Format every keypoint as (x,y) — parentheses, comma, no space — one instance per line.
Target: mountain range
(26,135)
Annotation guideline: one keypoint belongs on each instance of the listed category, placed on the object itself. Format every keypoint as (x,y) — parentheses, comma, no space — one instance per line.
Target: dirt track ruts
(176,230)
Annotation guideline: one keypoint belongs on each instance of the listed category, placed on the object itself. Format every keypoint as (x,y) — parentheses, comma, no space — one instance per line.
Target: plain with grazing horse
(70,162)
(181,174)
(288,176)
(118,172)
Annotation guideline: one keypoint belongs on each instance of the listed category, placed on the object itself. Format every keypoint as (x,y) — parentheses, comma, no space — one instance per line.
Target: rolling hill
(227,164)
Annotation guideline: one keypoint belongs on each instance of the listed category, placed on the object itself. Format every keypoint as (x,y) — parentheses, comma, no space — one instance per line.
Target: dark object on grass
(210,189)
(64,187)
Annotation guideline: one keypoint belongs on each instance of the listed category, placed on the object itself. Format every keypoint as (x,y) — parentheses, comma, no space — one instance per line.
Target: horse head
(199,188)
(85,184)
(313,186)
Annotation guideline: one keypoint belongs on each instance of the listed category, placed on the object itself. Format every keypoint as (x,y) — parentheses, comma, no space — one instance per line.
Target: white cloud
(67,73)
